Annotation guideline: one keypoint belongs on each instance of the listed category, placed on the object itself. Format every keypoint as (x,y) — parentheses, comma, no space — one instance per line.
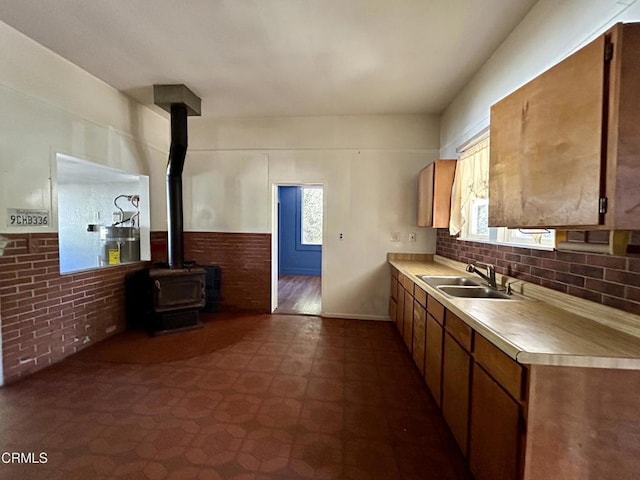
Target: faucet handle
(487,265)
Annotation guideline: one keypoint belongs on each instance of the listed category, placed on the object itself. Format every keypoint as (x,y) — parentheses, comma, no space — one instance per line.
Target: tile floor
(292,397)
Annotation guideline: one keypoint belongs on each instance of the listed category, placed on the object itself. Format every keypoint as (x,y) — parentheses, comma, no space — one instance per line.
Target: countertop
(532,331)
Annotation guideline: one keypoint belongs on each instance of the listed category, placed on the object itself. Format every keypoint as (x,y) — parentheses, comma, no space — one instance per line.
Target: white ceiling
(278,57)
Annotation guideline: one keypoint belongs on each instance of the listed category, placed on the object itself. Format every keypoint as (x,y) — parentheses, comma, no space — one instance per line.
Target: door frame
(275,230)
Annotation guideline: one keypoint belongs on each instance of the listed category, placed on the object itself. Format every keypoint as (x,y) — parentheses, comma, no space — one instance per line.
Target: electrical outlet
(96,215)
(341,236)
(412,236)
(395,236)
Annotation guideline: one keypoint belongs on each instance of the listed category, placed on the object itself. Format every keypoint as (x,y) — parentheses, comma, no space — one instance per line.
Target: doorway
(298,249)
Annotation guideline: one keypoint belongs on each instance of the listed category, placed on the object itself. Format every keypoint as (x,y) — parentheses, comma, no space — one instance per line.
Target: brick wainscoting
(607,279)
(244,260)
(47,316)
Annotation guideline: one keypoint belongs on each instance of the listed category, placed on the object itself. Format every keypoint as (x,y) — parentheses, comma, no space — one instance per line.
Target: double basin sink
(463,287)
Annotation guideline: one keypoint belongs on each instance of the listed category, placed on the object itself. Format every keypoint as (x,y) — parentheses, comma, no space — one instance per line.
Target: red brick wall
(244,260)
(46,316)
(607,279)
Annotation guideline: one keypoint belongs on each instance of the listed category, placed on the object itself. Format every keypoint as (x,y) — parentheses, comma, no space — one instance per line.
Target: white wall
(552,30)
(51,106)
(368,166)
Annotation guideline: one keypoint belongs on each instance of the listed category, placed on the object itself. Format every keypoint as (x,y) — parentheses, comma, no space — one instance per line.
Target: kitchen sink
(477,291)
(437,281)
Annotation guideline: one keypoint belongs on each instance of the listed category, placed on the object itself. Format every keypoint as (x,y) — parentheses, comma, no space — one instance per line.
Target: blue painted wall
(294,258)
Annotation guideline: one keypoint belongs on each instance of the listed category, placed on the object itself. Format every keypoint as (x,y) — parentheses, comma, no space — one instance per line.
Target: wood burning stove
(174,293)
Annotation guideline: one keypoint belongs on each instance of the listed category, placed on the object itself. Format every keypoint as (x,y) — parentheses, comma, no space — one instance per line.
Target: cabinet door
(434,193)
(400,310)
(393,308)
(425,196)
(419,334)
(456,375)
(494,448)
(407,329)
(433,358)
(546,139)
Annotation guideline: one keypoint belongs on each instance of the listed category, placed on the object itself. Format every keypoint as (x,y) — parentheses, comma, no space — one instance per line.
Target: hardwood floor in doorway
(299,294)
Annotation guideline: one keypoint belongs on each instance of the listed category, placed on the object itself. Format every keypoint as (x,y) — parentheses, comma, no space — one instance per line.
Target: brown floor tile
(295,365)
(288,386)
(327,368)
(370,459)
(216,445)
(237,408)
(317,456)
(218,379)
(364,393)
(261,398)
(266,450)
(327,389)
(264,363)
(252,382)
(234,361)
(362,372)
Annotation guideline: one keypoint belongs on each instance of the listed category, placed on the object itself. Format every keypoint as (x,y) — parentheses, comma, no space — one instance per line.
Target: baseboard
(355,316)
(308,272)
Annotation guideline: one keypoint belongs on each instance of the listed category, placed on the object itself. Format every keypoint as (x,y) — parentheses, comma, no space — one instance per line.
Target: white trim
(518,245)
(477,138)
(355,316)
(274,247)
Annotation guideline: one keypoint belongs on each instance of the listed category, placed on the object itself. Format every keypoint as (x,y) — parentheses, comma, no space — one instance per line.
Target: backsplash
(607,279)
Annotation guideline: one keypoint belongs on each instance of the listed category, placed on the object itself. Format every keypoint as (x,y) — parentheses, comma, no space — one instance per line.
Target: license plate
(17,217)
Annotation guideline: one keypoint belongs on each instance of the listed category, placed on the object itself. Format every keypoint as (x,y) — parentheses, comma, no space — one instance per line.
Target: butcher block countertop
(541,327)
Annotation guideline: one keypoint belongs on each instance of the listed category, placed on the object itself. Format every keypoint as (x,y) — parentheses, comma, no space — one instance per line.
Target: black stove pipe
(177,154)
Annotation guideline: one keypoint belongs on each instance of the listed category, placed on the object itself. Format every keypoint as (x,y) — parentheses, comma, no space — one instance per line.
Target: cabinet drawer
(408,284)
(394,272)
(506,371)
(459,330)
(420,296)
(436,309)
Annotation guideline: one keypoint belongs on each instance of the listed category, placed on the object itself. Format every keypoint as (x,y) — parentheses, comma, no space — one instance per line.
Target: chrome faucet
(490,276)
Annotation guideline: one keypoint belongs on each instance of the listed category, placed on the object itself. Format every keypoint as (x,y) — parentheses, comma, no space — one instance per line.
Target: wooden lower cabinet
(456,374)
(433,358)
(419,334)
(479,389)
(494,436)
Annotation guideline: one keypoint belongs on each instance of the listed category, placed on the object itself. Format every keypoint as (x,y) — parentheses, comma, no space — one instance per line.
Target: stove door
(178,292)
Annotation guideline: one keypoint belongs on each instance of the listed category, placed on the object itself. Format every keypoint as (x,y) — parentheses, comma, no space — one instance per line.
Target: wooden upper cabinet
(434,193)
(565,147)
